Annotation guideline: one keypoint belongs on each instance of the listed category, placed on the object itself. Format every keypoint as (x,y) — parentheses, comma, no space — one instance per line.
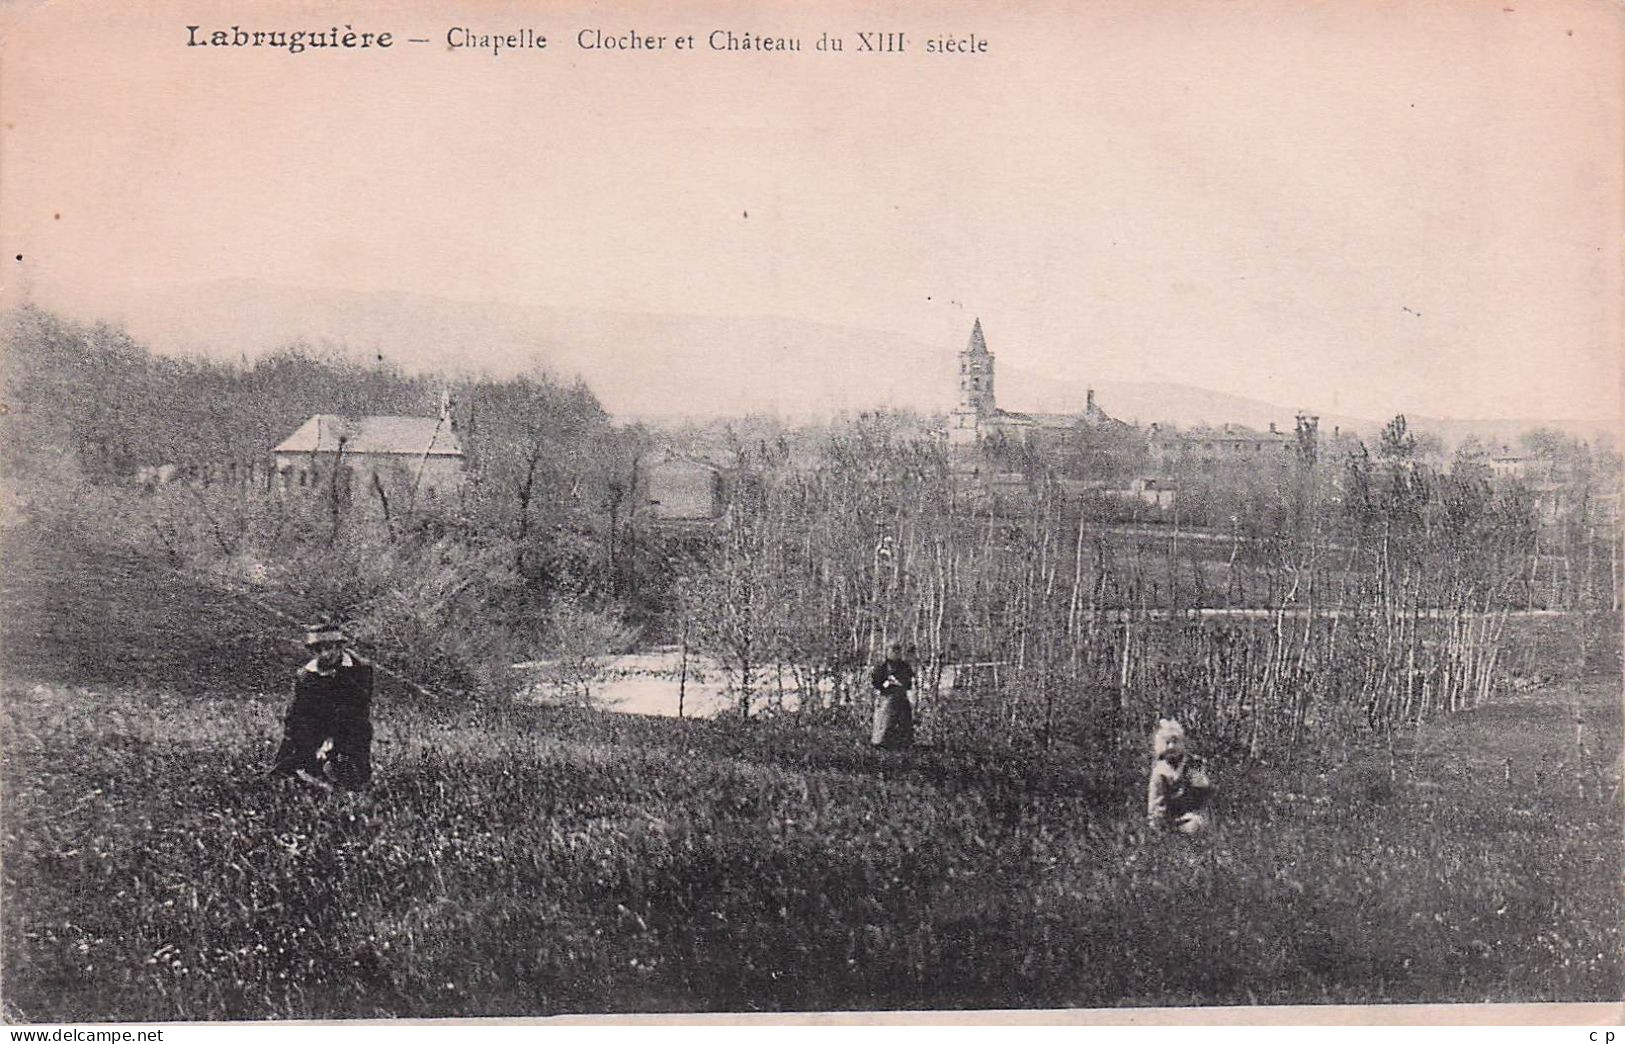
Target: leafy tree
(1396,443)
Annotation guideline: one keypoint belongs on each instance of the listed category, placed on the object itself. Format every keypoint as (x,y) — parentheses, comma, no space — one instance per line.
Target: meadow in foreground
(516,860)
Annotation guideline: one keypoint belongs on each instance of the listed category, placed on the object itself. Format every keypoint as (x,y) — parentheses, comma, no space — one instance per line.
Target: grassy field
(525,860)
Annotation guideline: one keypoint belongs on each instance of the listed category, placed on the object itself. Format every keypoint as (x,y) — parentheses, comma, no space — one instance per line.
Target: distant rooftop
(1227,433)
(417,436)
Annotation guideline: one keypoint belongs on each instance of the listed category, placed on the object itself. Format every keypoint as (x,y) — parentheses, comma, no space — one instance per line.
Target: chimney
(1272,429)
(1089,402)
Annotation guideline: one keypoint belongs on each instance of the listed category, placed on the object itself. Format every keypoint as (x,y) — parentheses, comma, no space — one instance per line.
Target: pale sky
(1369,206)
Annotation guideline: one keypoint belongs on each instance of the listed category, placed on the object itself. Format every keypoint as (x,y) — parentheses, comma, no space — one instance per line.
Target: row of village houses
(420,460)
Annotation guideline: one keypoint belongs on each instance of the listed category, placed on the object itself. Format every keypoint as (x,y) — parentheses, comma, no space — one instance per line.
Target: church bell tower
(976,375)
(976,403)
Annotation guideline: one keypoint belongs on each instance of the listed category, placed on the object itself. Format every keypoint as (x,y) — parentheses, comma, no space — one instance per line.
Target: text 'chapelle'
(466,39)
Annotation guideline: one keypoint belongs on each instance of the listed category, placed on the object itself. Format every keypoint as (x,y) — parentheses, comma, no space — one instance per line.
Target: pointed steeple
(976,376)
(978,344)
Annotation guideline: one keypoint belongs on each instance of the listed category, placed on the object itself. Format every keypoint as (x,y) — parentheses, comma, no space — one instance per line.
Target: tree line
(1380,584)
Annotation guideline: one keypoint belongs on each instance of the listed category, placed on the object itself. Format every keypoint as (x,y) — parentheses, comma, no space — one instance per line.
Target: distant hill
(638,365)
(658,367)
(1165,402)
(1143,402)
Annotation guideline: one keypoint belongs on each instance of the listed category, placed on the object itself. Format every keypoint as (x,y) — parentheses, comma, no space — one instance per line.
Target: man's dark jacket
(333,707)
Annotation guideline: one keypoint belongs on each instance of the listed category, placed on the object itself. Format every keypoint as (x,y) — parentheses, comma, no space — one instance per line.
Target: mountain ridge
(637,363)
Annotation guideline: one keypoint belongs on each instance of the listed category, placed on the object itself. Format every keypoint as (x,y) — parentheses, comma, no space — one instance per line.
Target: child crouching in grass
(1180,788)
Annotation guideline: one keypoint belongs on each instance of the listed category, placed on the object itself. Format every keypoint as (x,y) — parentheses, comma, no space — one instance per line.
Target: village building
(1558,494)
(413,459)
(250,474)
(1508,463)
(156,474)
(978,416)
(679,488)
(1141,492)
(1160,493)
(1229,444)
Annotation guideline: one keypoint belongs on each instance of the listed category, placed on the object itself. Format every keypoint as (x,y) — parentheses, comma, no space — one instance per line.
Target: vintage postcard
(861,512)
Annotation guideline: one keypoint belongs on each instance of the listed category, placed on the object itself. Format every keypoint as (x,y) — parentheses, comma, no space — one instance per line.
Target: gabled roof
(414,436)
(1066,421)
(671,460)
(1227,433)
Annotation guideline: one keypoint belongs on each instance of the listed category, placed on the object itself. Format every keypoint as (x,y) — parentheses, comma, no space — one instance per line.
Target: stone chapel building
(977,416)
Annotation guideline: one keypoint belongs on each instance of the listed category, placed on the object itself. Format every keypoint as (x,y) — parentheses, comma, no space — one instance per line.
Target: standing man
(327,734)
(894,714)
